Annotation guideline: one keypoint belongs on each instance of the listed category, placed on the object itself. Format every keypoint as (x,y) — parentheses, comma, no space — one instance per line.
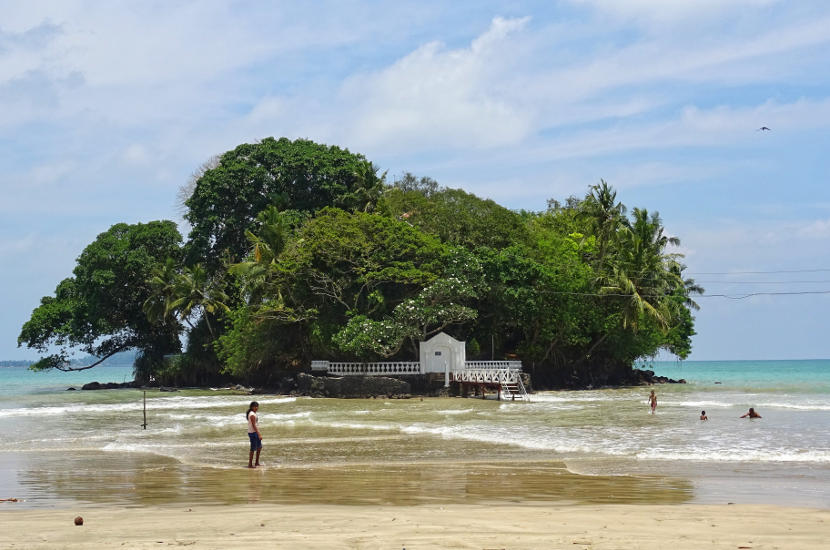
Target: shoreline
(157,481)
(304,384)
(594,449)
(473,526)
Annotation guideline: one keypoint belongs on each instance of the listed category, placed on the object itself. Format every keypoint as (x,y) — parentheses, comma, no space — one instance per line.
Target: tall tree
(455,216)
(292,175)
(435,308)
(196,294)
(99,311)
(338,266)
(643,272)
(258,272)
(606,217)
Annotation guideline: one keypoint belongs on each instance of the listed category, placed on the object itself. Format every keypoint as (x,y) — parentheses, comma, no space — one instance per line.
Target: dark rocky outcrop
(407,385)
(108,385)
(351,386)
(647,377)
(603,376)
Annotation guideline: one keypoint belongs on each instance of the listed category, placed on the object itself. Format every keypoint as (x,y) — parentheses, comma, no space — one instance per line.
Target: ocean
(75,448)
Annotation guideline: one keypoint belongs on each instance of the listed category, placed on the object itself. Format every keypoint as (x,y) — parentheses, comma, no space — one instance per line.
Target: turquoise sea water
(22,381)
(60,446)
(776,376)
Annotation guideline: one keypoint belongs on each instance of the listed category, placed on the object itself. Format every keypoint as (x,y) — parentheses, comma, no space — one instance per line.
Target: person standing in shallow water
(253,434)
(652,401)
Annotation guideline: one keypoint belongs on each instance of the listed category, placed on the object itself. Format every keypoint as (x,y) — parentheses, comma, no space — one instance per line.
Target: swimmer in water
(751,414)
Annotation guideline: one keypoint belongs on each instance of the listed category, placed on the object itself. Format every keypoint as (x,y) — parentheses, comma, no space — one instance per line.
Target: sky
(108,108)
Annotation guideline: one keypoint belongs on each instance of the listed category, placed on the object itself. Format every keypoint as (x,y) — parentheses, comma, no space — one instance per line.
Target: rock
(79,520)
(351,386)
(70,388)
(108,385)
(310,385)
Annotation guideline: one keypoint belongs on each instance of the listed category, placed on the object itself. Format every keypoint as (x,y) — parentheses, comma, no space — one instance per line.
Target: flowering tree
(434,308)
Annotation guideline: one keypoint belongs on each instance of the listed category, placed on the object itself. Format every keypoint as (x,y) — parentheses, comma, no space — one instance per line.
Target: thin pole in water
(145,411)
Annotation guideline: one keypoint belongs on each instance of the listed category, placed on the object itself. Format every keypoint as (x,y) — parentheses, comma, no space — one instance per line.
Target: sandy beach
(395,474)
(417,527)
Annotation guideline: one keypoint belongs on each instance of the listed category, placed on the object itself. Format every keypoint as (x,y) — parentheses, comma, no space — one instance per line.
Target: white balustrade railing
(490,372)
(322,366)
(512,365)
(373,369)
(486,375)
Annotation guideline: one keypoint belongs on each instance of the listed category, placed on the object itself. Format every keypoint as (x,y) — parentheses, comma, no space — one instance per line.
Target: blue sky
(106,109)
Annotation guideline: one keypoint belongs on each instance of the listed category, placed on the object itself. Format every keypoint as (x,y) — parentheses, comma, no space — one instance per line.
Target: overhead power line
(696,296)
(757,272)
(760,282)
(749,295)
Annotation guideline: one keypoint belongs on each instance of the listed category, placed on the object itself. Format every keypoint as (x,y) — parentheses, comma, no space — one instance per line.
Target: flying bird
(763,128)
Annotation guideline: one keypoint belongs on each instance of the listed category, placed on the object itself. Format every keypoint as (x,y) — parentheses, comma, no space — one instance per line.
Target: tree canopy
(100,310)
(300,250)
(292,175)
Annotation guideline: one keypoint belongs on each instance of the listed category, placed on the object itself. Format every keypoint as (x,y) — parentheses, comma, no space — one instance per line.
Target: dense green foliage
(301,251)
(298,175)
(100,309)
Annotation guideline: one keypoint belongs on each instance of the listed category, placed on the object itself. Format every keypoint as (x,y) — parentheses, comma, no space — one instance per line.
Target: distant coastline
(123,359)
(19,363)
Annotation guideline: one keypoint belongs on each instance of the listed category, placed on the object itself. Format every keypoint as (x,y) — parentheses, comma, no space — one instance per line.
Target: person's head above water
(751,414)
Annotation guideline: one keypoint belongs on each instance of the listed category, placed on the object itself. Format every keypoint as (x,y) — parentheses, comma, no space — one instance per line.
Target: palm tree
(368,189)
(642,273)
(606,216)
(180,292)
(162,283)
(259,270)
(194,290)
(260,275)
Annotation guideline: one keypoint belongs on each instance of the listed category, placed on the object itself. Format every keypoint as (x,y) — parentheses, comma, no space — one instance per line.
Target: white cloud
(819,229)
(15,246)
(484,96)
(155,42)
(693,127)
(641,174)
(664,11)
(437,97)
(802,114)
(712,58)
(48,174)
(107,108)
(762,245)
(154,62)
(136,154)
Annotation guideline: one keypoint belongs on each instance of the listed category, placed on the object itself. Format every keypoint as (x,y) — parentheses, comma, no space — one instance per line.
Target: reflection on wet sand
(140,480)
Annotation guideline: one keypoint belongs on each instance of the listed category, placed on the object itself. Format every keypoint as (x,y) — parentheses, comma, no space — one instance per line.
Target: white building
(442,354)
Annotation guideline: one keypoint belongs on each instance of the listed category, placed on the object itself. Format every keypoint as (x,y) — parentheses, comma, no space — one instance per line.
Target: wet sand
(87,479)
(473,526)
(362,483)
(158,503)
